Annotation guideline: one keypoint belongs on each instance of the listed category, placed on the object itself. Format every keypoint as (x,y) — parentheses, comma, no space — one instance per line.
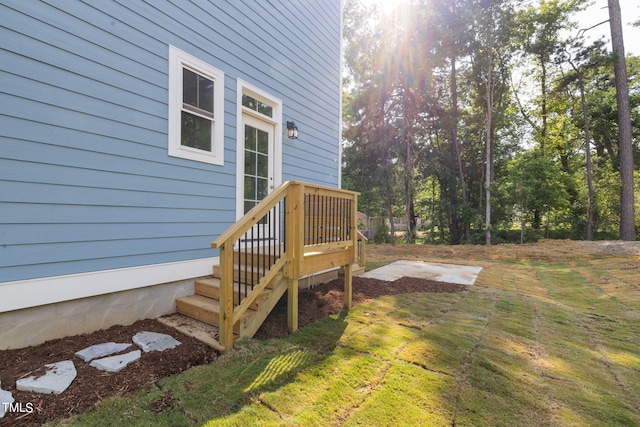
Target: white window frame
(244,87)
(178,60)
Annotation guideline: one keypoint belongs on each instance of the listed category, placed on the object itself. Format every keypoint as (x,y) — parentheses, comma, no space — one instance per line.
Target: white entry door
(259,156)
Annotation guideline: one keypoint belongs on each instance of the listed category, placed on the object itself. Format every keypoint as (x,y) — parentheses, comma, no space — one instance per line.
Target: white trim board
(22,294)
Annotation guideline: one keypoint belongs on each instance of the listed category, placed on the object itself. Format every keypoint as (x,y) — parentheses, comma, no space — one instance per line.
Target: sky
(595,14)
(599,12)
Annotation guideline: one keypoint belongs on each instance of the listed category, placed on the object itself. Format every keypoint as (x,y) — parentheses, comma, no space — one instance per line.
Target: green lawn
(532,344)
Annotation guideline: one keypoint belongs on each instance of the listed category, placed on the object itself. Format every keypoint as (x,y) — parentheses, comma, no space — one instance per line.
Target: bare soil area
(92,385)
(544,250)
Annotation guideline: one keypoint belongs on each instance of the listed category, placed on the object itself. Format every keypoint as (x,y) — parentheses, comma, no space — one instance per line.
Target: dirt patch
(544,250)
(328,298)
(92,385)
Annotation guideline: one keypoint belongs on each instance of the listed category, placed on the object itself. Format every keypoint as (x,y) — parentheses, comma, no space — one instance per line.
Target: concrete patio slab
(440,272)
(57,379)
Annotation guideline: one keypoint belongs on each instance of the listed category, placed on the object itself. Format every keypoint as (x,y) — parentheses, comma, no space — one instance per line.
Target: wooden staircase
(298,230)
(204,305)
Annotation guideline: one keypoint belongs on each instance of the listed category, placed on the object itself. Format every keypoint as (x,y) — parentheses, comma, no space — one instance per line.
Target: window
(196,109)
(256,105)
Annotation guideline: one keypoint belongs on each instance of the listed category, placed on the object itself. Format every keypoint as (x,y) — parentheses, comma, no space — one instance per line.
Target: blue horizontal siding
(31,213)
(85,180)
(98,264)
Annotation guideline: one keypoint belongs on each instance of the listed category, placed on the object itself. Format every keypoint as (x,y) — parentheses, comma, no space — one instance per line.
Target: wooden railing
(361,254)
(296,230)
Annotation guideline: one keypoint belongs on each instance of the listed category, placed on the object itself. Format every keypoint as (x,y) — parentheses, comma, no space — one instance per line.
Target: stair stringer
(250,326)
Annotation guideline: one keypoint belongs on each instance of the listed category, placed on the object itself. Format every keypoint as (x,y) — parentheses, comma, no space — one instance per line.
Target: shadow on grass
(210,393)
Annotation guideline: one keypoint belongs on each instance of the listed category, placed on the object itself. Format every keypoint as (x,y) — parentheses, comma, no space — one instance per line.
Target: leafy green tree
(535,184)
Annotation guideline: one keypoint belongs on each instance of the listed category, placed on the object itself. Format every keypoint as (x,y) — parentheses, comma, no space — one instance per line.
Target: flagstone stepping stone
(57,379)
(116,363)
(101,350)
(6,399)
(153,341)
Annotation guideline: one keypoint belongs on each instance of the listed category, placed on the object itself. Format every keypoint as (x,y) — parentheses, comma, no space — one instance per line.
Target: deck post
(295,244)
(348,269)
(292,304)
(226,297)
(299,231)
(348,285)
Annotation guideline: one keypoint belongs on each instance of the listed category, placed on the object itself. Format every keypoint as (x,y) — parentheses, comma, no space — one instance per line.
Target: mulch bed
(328,298)
(92,385)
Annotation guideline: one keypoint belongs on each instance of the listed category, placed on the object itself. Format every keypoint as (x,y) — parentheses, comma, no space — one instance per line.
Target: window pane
(197,91)
(263,165)
(263,142)
(249,188)
(189,87)
(196,132)
(248,206)
(262,189)
(250,137)
(255,105)
(265,109)
(205,94)
(249,163)
(249,102)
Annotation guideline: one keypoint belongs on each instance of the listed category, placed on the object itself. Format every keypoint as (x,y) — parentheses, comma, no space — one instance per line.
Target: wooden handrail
(252,217)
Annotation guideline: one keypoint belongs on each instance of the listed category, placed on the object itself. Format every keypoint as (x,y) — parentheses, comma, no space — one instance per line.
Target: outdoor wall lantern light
(292,130)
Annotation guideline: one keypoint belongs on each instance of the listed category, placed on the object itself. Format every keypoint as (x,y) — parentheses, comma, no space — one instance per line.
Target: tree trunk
(489,151)
(627,215)
(408,192)
(389,197)
(587,144)
(544,103)
(454,141)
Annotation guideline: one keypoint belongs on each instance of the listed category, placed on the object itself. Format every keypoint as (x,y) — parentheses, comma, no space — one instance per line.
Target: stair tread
(211,289)
(208,304)
(210,281)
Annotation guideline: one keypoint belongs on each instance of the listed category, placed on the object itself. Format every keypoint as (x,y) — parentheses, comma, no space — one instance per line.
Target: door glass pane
(263,166)
(250,136)
(249,188)
(196,132)
(249,162)
(263,142)
(263,185)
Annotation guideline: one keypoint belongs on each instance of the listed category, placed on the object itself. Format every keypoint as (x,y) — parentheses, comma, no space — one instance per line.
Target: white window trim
(177,61)
(244,87)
